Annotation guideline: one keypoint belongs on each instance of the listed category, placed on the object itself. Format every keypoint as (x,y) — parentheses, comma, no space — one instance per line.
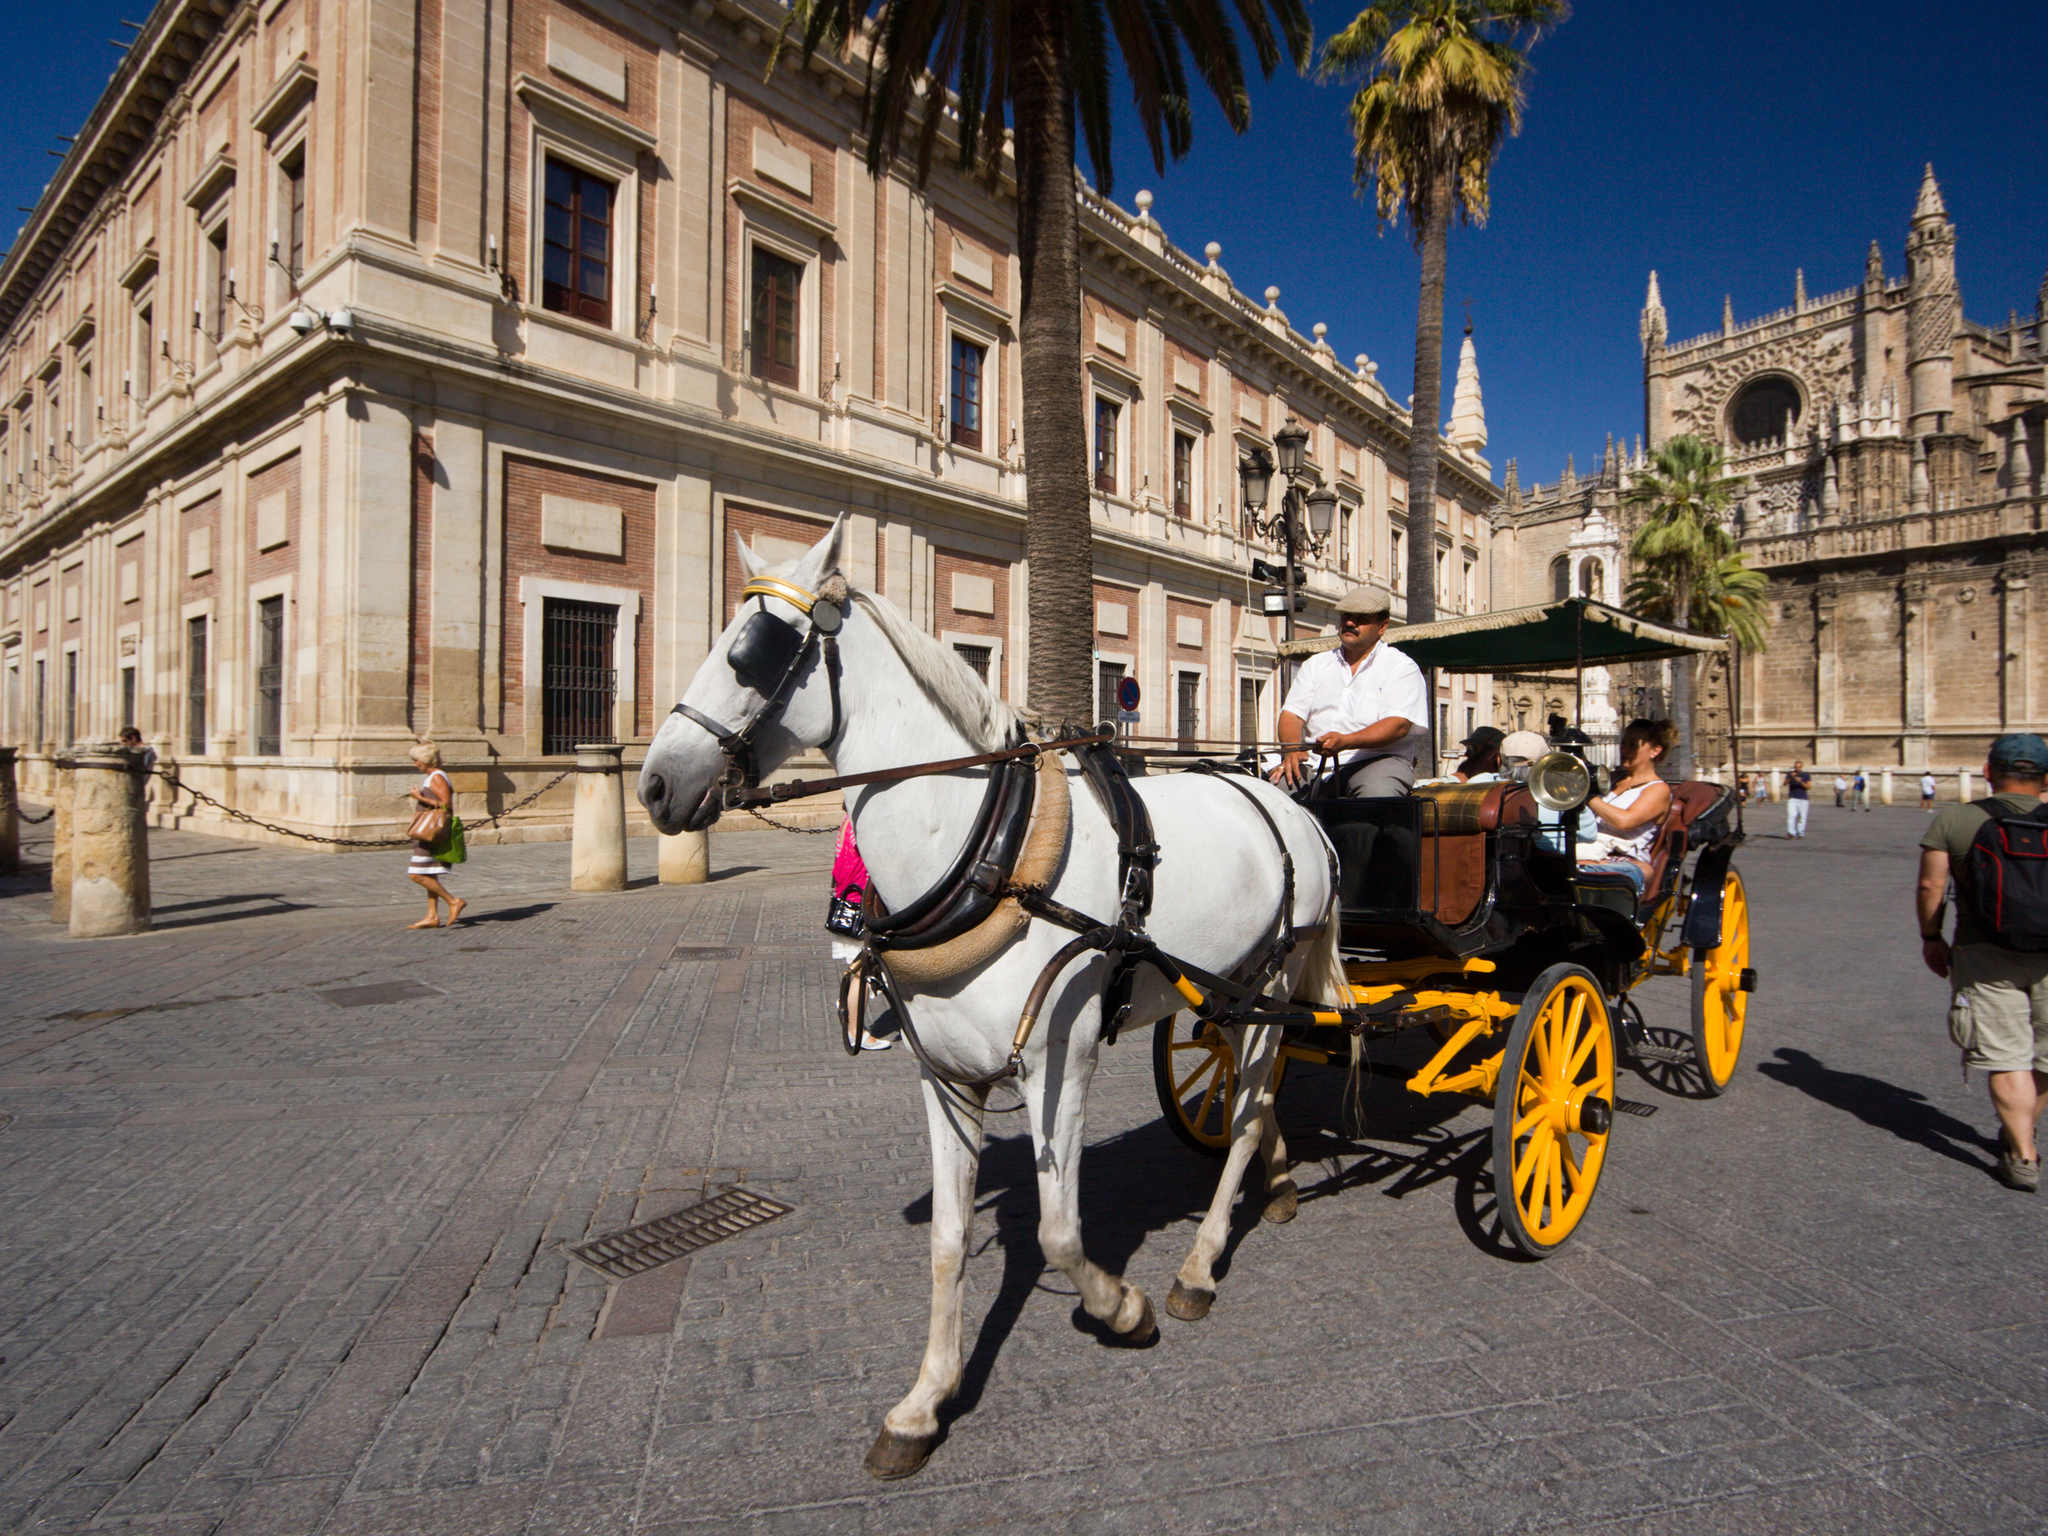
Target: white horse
(904,698)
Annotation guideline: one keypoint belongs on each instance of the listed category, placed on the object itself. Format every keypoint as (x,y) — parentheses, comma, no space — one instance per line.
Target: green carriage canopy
(1535,639)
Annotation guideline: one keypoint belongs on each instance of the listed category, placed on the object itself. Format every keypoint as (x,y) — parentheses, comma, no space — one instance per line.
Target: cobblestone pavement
(279,1255)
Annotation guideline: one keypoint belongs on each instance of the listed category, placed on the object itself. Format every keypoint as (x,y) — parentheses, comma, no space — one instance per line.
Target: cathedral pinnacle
(1655,327)
(1468,410)
(1929,204)
(1873,266)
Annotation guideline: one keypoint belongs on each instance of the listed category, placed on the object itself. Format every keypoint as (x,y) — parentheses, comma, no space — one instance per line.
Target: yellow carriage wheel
(1720,997)
(1194,1072)
(1553,1108)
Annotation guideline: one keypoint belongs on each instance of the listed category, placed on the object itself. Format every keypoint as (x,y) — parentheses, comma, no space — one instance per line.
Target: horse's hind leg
(1252,1126)
(1058,1109)
(911,1429)
(1283,1200)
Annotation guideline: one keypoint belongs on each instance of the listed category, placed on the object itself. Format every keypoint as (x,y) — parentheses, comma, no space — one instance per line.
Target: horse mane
(988,723)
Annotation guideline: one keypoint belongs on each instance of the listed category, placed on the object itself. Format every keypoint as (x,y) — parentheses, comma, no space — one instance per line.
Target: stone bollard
(109,877)
(60,840)
(1777,785)
(1963,794)
(10,824)
(1884,786)
(686,858)
(597,846)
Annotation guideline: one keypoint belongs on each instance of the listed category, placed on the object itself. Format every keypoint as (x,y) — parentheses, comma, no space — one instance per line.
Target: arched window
(1592,581)
(1560,578)
(1763,409)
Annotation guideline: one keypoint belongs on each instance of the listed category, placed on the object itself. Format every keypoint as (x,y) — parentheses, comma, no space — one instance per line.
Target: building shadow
(1901,1111)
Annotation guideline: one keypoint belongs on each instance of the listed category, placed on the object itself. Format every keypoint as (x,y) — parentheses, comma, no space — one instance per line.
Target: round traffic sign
(1127,694)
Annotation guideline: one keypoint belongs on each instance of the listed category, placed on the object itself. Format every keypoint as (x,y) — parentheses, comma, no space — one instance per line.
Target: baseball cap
(2020,749)
(1483,739)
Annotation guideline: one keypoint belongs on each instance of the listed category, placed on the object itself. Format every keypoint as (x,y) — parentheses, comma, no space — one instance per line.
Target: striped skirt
(425,863)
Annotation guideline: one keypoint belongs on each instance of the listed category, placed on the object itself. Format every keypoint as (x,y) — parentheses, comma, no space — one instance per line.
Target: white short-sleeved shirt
(1329,696)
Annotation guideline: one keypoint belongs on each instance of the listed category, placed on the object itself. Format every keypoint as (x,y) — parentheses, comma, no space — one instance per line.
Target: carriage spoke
(1532,1158)
(1529,1121)
(1556,1180)
(1540,1038)
(1209,1101)
(1208,1064)
(1585,1049)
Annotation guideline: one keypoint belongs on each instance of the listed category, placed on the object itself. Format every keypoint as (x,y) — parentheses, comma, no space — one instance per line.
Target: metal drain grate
(704,952)
(665,1239)
(1631,1107)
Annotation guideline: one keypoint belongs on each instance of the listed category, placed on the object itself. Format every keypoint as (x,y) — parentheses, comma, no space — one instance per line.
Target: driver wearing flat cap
(1364,701)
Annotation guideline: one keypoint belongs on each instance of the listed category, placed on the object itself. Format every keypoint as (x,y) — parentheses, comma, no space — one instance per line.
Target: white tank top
(1628,845)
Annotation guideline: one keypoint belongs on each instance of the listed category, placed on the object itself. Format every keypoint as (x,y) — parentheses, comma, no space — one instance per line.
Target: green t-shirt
(1952,831)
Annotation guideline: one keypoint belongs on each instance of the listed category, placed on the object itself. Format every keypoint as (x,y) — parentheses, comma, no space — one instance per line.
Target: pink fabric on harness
(849,870)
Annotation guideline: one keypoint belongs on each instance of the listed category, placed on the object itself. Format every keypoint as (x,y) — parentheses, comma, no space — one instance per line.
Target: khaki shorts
(1999,1013)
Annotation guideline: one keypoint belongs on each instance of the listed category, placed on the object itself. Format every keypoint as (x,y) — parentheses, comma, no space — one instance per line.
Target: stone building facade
(406,368)
(1890,451)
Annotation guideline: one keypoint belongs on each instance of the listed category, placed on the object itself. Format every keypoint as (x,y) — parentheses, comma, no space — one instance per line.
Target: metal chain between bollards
(229,811)
(33,821)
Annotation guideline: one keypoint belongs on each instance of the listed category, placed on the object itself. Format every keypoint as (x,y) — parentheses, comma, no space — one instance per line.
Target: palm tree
(1043,64)
(1688,569)
(1442,90)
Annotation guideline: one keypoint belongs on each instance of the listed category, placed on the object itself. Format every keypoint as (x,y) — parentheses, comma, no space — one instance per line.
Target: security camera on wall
(341,321)
(305,320)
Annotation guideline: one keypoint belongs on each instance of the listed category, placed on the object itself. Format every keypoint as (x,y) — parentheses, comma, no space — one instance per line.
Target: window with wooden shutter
(576,243)
(777,292)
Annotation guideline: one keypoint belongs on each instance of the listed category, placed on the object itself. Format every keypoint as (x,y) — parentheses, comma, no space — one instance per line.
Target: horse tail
(1322,980)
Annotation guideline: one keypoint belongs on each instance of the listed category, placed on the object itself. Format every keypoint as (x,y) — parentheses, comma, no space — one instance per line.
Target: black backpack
(2004,876)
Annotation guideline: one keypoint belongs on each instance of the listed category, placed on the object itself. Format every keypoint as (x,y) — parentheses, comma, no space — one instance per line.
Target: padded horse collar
(766,638)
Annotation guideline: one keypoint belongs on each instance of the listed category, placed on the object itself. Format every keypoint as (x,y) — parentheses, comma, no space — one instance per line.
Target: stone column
(597,846)
(686,858)
(109,846)
(60,840)
(1913,645)
(10,826)
(1884,786)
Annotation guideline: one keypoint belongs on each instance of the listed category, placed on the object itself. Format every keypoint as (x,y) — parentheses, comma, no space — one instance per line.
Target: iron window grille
(270,677)
(977,658)
(579,682)
(1247,711)
(127,696)
(1183,474)
(70,698)
(1106,412)
(195,686)
(1107,675)
(576,246)
(1189,706)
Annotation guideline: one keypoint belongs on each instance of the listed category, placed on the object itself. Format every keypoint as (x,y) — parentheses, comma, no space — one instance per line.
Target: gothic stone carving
(1818,360)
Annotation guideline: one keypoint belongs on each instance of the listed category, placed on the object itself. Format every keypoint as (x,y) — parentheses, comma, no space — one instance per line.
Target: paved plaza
(285,1190)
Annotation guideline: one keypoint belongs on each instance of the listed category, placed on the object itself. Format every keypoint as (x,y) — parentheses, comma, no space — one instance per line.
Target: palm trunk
(1058,542)
(1433,219)
(1681,682)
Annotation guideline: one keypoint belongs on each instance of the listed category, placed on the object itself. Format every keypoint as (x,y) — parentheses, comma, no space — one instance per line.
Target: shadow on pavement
(271,906)
(1682,1078)
(505,914)
(1901,1111)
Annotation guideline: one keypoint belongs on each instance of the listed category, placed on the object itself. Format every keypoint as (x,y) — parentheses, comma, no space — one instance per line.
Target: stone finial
(1272,296)
(1468,409)
(1358,364)
(1918,494)
(1873,266)
(1799,287)
(1727,314)
(1570,482)
(1511,481)
(1213,251)
(2020,469)
(1144,204)
(1655,328)
(1929,206)
(1830,490)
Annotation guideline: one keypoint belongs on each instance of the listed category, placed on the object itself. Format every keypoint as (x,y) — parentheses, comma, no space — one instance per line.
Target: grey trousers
(1378,778)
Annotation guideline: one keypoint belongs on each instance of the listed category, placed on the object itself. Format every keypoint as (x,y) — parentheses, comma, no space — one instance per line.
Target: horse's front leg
(1252,1123)
(1058,1100)
(910,1431)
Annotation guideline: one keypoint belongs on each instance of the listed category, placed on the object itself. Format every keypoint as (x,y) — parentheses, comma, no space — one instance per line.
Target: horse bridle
(767,655)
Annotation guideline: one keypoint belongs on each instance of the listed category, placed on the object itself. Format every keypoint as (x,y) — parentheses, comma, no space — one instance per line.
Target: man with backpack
(1996,852)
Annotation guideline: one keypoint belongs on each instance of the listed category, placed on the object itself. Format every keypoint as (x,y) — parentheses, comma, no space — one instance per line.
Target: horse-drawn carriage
(1464,912)
(1030,897)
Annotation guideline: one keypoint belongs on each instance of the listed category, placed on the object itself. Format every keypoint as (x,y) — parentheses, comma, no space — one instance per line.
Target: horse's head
(762,693)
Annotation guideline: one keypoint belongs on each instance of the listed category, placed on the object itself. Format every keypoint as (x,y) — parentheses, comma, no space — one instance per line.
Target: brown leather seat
(1452,871)
(1690,799)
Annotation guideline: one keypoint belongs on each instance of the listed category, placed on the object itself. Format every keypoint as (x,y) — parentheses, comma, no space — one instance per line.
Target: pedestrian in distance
(1841,790)
(1927,792)
(131,741)
(1995,851)
(1481,763)
(431,856)
(1798,791)
(846,921)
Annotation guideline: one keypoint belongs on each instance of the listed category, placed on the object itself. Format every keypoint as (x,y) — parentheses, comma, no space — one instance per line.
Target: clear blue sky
(1722,144)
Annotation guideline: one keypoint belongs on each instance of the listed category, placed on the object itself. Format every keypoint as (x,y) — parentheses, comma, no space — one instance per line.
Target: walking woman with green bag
(436,835)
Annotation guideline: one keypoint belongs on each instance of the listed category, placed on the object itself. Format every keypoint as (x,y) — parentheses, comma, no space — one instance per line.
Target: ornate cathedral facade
(1890,453)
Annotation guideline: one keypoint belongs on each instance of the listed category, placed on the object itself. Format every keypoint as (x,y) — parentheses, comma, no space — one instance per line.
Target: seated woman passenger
(1629,814)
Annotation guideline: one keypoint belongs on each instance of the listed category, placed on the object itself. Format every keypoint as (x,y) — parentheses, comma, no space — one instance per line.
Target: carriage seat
(1690,800)
(1452,872)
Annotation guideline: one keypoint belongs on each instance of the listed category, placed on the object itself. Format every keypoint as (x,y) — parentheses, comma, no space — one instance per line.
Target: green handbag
(450,849)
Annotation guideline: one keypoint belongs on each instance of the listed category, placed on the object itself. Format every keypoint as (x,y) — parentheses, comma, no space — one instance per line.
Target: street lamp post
(1303,495)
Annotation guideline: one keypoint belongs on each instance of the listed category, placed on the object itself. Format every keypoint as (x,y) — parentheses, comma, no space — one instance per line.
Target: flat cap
(1526,745)
(1367,599)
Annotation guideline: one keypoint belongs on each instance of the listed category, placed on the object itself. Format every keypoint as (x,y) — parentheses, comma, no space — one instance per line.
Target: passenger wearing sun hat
(1363,700)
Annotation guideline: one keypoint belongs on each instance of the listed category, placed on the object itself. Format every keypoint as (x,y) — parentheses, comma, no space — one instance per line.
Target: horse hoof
(893,1455)
(1142,1334)
(1189,1303)
(1284,1203)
